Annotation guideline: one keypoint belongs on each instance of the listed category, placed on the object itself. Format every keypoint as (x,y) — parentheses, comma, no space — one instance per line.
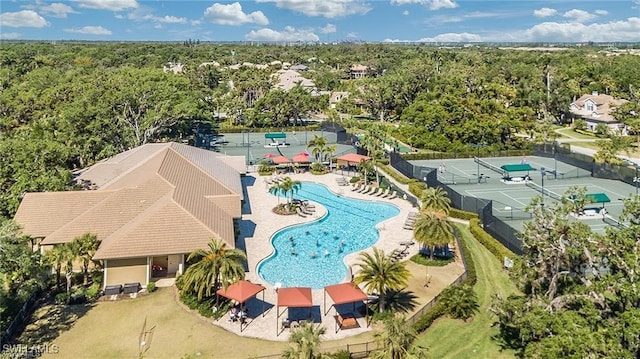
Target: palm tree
(69,255)
(85,247)
(306,341)
(433,229)
(287,187)
(459,301)
(318,146)
(55,258)
(397,338)
(380,274)
(365,167)
(436,200)
(216,266)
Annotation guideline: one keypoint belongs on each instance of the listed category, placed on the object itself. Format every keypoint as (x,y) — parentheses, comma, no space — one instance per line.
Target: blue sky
(323,20)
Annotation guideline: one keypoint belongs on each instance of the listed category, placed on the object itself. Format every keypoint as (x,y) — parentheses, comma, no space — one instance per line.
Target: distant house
(299,67)
(358,71)
(175,67)
(336,97)
(288,79)
(597,109)
(149,208)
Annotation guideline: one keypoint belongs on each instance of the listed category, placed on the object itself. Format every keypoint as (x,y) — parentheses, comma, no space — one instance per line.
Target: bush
(416,188)
(265,169)
(393,173)
(496,248)
(426,261)
(61,298)
(458,213)
(151,287)
(429,317)
(93,291)
(318,168)
(340,354)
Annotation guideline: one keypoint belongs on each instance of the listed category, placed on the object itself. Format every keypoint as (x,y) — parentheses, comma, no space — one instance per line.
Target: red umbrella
(280,160)
(270,155)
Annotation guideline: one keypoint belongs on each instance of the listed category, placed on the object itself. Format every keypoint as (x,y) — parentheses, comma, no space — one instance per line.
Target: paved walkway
(257,226)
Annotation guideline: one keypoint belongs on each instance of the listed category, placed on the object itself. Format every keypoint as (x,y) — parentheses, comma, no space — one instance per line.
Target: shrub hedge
(396,175)
(458,213)
(496,248)
(416,188)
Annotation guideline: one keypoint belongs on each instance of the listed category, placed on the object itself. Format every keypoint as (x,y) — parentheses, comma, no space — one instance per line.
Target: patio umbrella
(280,160)
(301,158)
(270,155)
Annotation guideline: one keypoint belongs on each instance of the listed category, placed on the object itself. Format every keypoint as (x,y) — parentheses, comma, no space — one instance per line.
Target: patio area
(257,226)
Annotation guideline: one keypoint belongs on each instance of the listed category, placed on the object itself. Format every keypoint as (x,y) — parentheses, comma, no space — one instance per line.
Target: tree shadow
(402,301)
(49,321)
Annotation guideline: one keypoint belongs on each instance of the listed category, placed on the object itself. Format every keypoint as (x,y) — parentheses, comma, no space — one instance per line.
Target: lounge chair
(364,189)
(387,193)
(356,187)
(381,192)
(300,212)
(394,195)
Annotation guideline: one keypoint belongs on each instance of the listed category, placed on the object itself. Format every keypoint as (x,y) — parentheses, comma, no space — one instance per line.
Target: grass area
(571,133)
(591,145)
(449,338)
(111,330)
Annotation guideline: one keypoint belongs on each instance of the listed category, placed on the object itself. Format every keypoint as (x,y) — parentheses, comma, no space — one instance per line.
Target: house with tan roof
(288,79)
(149,208)
(358,71)
(597,109)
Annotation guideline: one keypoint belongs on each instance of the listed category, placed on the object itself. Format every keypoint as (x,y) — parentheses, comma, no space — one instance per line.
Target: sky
(438,21)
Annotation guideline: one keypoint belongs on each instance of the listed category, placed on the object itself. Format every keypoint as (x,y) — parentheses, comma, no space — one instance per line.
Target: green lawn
(449,338)
(569,132)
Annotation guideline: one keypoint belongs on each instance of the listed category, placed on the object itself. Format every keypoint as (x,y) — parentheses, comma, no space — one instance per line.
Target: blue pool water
(348,227)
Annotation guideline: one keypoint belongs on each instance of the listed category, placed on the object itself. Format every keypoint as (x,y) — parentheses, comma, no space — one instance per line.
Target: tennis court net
(544,191)
(489,166)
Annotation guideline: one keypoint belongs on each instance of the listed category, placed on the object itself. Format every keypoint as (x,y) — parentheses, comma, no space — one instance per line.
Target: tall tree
(435,199)
(433,229)
(85,247)
(380,274)
(287,187)
(214,268)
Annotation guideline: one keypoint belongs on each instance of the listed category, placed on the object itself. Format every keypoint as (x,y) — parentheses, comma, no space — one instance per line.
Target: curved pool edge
(348,260)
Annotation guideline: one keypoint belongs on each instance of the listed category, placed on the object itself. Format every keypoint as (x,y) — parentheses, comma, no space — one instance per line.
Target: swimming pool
(311,254)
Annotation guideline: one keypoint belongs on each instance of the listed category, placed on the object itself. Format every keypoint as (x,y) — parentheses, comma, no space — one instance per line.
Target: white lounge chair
(394,195)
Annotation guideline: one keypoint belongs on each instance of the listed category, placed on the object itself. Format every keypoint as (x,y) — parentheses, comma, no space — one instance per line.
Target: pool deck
(259,223)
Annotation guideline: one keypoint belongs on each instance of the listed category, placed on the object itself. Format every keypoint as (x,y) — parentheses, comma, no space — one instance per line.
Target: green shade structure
(275,135)
(525,167)
(597,198)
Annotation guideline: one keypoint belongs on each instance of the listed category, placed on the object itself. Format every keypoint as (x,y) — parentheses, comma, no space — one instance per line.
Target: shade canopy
(597,198)
(523,167)
(275,135)
(295,297)
(241,291)
(345,293)
(270,155)
(301,158)
(280,160)
(352,158)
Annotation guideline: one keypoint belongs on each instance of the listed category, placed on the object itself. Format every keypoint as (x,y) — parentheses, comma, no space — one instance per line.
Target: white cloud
(328,29)
(89,30)
(232,14)
(112,5)
(579,15)
(601,12)
(57,9)
(352,35)
(289,34)
(10,35)
(623,31)
(431,4)
(327,8)
(405,13)
(171,19)
(453,37)
(544,12)
(23,18)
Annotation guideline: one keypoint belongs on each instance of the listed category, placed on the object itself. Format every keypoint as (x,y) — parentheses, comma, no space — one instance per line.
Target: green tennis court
(511,198)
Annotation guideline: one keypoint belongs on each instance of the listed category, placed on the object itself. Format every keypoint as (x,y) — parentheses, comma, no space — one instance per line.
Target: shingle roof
(155,199)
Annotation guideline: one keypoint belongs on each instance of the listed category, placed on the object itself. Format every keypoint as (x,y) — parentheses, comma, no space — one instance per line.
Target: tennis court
(252,144)
(511,199)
